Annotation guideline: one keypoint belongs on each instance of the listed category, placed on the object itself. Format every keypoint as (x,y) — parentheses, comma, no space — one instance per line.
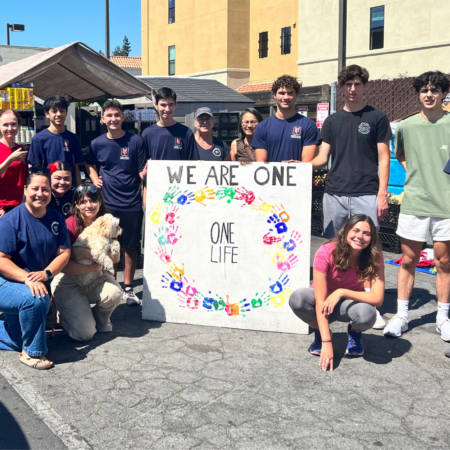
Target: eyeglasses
(253,122)
(36,169)
(82,189)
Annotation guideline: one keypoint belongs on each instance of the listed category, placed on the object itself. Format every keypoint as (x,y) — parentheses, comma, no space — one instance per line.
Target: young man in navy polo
(168,139)
(56,143)
(286,136)
(122,157)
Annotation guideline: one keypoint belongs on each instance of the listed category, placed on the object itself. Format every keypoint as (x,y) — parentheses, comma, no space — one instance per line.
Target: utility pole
(107,52)
(342,49)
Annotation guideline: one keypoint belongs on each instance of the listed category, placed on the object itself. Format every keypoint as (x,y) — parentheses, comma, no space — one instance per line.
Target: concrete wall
(11,53)
(416,38)
(271,16)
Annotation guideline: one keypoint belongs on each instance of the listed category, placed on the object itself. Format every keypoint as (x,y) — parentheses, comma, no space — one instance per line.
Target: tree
(126,47)
(101,53)
(118,51)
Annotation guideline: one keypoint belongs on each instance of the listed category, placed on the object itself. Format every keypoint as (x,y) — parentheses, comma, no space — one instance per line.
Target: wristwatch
(48,273)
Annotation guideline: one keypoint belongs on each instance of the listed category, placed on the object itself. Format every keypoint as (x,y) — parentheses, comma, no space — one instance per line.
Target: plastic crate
(317,225)
(319,177)
(225,134)
(391,220)
(390,242)
(317,202)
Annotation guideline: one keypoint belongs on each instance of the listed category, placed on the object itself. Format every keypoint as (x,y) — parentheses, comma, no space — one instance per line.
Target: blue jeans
(24,325)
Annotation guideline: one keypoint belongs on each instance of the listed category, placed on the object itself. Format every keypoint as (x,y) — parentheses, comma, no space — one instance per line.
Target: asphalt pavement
(157,386)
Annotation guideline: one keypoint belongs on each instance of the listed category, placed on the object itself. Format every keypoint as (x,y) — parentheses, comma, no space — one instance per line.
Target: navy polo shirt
(169,143)
(120,162)
(284,139)
(47,148)
(31,242)
(218,151)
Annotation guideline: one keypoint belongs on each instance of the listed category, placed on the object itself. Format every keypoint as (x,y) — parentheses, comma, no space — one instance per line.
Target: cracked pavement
(168,386)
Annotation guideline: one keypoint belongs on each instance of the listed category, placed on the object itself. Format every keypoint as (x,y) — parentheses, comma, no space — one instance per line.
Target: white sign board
(323,111)
(226,244)
(303,110)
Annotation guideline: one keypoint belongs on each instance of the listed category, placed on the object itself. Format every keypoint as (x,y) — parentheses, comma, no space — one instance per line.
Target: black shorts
(131,224)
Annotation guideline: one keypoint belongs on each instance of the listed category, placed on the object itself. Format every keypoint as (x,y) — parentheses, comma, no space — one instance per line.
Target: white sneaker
(379,323)
(396,326)
(105,327)
(130,297)
(444,329)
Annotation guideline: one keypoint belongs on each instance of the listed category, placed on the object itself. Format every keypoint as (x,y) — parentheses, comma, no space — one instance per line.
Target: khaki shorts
(416,228)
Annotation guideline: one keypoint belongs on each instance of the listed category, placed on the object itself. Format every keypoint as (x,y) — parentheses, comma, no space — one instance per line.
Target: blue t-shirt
(120,162)
(174,143)
(284,139)
(217,152)
(47,148)
(62,204)
(31,242)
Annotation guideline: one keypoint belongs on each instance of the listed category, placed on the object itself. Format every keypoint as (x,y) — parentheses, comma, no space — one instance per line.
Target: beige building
(233,41)
(391,38)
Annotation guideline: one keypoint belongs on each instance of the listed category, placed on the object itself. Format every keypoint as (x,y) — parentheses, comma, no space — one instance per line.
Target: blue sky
(51,23)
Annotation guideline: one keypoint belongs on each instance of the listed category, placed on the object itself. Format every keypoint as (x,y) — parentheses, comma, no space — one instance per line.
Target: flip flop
(33,362)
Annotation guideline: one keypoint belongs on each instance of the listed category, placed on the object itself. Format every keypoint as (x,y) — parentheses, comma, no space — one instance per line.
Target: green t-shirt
(426,147)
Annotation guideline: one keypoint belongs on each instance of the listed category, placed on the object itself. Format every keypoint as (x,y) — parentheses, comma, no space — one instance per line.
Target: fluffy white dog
(99,238)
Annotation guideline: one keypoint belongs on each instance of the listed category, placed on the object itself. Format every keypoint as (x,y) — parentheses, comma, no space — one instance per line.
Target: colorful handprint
(174,271)
(279,299)
(185,198)
(288,263)
(280,284)
(173,192)
(280,211)
(243,194)
(280,226)
(157,212)
(261,205)
(164,254)
(172,234)
(260,300)
(293,241)
(171,214)
(161,235)
(268,239)
(225,192)
(169,281)
(204,194)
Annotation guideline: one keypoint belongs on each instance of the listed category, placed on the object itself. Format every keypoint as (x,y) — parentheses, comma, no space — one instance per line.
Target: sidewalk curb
(44,411)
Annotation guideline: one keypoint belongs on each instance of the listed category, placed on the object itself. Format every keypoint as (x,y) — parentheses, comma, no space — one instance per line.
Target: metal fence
(397,98)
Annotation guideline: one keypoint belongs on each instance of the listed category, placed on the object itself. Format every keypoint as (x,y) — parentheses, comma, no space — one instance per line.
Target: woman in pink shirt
(348,286)
(13,169)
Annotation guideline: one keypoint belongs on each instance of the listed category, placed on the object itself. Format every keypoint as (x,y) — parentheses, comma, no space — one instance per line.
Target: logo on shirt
(124,153)
(66,208)
(66,145)
(296,133)
(445,147)
(178,144)
(364,128)
(216,151)
(55,228)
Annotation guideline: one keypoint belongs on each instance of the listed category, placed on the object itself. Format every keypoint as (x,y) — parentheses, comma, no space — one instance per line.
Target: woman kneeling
(348,286)
(78,319)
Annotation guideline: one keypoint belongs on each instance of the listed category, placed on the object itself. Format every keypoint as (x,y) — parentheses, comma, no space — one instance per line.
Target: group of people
(46,207)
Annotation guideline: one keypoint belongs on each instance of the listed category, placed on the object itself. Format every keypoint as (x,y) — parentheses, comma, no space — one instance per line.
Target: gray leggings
(360,315)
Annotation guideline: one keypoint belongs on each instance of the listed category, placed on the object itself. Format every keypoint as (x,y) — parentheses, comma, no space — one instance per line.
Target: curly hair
(434,77)
(369,260)
(286,81)
(351,72)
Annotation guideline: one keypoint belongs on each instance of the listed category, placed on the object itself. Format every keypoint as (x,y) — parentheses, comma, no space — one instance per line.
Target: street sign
(323,111)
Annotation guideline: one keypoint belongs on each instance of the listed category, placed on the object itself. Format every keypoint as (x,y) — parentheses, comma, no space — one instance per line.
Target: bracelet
(326,342)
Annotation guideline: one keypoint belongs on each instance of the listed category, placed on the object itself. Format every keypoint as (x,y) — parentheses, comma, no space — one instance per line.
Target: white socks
(402,308)
(443,309)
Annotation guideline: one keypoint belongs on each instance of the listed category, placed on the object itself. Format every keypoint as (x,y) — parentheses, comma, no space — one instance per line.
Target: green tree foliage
(126,47)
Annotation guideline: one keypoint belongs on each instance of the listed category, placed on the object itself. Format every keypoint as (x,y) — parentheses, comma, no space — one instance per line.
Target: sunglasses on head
(82,189)
(36,169)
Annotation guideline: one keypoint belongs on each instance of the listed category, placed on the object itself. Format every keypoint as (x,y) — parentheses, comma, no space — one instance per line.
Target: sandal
(32,362)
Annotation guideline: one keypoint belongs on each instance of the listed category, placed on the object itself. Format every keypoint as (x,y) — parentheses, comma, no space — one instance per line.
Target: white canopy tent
(74,71)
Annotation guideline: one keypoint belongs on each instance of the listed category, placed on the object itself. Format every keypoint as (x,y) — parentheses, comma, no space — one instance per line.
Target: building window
(263,44)
(286,40)
(376,27)
(171,11)
(172,60)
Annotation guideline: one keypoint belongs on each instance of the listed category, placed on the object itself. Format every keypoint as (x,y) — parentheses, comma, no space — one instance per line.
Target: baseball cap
(203,110)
